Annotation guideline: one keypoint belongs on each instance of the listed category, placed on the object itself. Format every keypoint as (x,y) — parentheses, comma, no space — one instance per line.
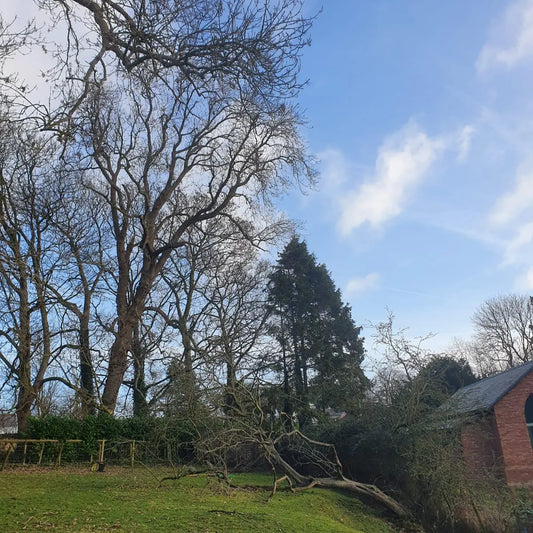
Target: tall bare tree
(235,318)
(173,113)
(172,152)
(503,333)
(79,229)
(28,258)
(215,301)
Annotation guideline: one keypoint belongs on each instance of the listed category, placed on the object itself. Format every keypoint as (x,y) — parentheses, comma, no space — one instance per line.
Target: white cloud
(464,142)
(34,64)
(512,38)
(512,204)
(512,220)
(357,285)
(402,162)
(525,282)
(520,243)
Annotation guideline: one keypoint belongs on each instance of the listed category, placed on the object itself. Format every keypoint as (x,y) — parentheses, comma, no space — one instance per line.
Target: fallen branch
(300,482)
(241,431)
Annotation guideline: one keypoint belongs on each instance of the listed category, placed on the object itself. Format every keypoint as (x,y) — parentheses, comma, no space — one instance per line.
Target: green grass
(124,499)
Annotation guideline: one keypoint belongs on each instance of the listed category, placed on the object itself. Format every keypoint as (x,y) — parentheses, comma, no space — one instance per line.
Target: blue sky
(422,118)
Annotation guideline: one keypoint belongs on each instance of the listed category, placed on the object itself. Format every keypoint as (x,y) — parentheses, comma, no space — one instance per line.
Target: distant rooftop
(483,394)
(8,423)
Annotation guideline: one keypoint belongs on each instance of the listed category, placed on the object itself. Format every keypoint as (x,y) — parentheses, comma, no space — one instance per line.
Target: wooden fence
(35,451)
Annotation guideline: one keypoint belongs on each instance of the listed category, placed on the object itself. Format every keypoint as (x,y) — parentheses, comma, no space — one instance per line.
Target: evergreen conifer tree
(321,347)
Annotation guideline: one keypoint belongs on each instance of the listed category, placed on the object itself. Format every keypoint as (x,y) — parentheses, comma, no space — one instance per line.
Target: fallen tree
(294,458)
(298,481)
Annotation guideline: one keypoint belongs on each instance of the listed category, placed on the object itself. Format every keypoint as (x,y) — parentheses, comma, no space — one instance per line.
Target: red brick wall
(481,448)
(514,437)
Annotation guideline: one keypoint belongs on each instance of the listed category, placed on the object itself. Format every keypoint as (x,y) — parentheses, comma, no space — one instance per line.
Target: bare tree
(183,276)
(411,377)
(233,151)
(503,333)
(52,247)
(402,355)
(79,229)
(236,317)
(215,300)
(28,259)
(245,44)
(173,114)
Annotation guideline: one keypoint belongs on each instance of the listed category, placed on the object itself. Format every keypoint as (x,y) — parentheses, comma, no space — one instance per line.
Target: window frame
(528,415)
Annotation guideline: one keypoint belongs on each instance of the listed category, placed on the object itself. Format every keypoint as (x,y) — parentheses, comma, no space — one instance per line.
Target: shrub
(164,438)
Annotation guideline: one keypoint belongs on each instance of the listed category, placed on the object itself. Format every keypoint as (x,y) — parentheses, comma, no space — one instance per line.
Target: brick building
(497,433)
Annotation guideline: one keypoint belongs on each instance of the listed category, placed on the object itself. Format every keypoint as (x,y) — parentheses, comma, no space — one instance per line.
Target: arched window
(529,417)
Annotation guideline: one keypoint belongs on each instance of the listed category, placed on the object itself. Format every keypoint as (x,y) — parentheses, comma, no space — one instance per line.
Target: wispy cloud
(464,141)
(522,239)
(512,220)
(358,285)
(511,41)
(525,281)
(402,162)
(335,170)
(512,204)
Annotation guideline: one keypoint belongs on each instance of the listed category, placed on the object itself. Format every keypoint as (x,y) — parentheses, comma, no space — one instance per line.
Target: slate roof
(483,394)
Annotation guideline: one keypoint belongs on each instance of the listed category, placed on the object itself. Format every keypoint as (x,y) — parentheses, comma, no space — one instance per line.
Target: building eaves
(485,393)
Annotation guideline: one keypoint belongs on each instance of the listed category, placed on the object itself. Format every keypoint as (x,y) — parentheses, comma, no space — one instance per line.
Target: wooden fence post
(9,447)
(60,451)
(41,454)
(101,463)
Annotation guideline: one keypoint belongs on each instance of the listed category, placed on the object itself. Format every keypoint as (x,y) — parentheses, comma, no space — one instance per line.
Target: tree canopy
(164,121)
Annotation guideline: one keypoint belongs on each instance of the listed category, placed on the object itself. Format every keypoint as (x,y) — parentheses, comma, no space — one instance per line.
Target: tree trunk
(118,363)
(140,390)
(26,394)
(129,315)
(231,382)
(362,489)
(87,385)
(24,403)
(304,482)
(86,392)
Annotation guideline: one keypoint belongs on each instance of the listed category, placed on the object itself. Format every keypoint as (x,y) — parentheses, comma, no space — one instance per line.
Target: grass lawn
(128,499)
